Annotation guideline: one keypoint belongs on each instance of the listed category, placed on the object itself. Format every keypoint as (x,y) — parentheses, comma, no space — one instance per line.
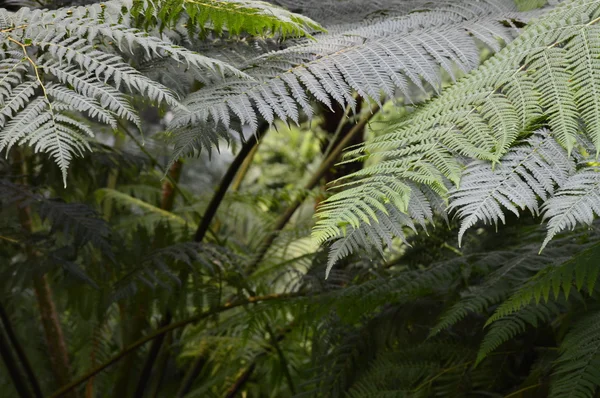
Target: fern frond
(540,74)
(576,370)
(236,16)
(152,215)
(372,60)
(387,222)
(577,200)
(510,326)
(78,61)
(576,271)
(526,172)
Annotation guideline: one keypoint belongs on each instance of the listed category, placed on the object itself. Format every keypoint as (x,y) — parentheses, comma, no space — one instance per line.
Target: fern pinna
(126,275)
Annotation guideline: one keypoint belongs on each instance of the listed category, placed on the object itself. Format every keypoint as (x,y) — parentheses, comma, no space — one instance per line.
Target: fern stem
(155,163)
(282,359)
(328,163)
(20,352)
(190,376)
(515,393)
(152,356)
(338,130)
(242,380)
(12,367)
(245,376)
(55,339)
(217,198)
(237,183)
(173,326)
(167,201)
(111,180)
(168,187)
(161,365)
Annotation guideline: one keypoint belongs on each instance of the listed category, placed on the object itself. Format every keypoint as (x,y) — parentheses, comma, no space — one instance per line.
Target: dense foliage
(299,198)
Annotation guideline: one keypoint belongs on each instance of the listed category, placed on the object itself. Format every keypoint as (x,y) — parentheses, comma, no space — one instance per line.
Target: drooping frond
(150,215)
(235,16)
(577,201)
(579,270)
(537,79)
(55,65)
(371,59)
(78,221)
(576,370)
(508,327)
(384,224)
(526,172)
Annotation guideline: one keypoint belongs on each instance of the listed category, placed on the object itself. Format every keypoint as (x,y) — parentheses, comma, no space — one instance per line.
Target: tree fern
(482,117)
(56,64)
(374,58)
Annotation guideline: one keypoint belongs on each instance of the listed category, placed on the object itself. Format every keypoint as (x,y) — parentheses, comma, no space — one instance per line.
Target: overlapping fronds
(576,370)
(78,221)
(527,172)
(576,272)
(373,59)
(57,65)
(547,77)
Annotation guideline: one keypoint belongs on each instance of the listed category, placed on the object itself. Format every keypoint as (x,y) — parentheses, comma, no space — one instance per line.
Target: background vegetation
(207,198)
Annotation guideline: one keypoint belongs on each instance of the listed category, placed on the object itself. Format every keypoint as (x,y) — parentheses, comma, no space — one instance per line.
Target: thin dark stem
(190,376)
(245,376)
(284,363)
(13,368)
(173,326)
(161,365)
(152,355)
(217,198)
(242,380)
(12,337)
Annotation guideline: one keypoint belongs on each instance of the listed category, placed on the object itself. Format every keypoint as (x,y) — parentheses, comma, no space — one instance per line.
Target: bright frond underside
(56,65)
(374,58)
(547,76)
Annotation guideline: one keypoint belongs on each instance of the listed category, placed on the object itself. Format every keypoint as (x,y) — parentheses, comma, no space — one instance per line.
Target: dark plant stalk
(190,376)
(57,347)
(168,186)
(12,337)
(13,368)
(173,326)
(152,355)
(282,359)
(245,376)
(242,161)
(161,365)
(243,379)
(55,339)
(244,169)
(217,198)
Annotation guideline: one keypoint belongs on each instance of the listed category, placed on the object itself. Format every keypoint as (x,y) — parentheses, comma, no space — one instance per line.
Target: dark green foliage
(146,298)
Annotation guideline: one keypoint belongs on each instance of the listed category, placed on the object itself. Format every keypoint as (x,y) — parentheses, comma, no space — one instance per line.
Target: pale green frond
(544,78)
(375,60)
(527,172)
(577,201)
